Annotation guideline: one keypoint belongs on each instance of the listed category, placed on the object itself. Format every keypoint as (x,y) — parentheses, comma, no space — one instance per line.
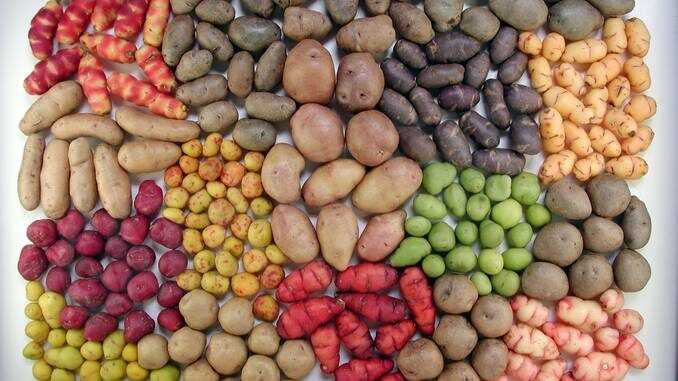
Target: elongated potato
(337,229)
(387,186)
(88,125)
(381,236)
(369,34)
(144,125)
(280,173)
(113,182)
(83,184)
(331,182)
(145,156)
(62,99)
(54,175)
(28,184)
(294,234)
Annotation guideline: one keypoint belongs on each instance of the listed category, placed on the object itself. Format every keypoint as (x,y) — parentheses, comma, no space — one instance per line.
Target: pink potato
(104,223)
(149,198)
(70,225)
(89,293)
(42,232)
(117,304)
(88,267)
(116,247)
(61,253)
(116,275)
(137,324)
(140,257)
(169,294)
(89,243)
(73,317)
(98,326)
(166,233)
(32,262)
(172,263)
(142,286)
(170,319)
(57,280)
(134,229)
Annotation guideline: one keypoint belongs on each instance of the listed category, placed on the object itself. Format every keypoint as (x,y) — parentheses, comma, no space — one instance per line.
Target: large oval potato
(631,271)
(62,99)
(309,59)
(331,182)
(490,358)
(381,236)
(113,182)
(317,133)
(145,125)
(601,235)
(280,173)
(83,184)
(294,234)
(567,199)
(411,22)
(146,156)
(420,360)
(610,195)
(241,74)
(28,185)
(360,82)
(371,137)
(54,175)
(89,125)
(337,229)
(545,281)
(300,23)
(637,224)
(560,243)
(387,186)
(369,34)
(590,276)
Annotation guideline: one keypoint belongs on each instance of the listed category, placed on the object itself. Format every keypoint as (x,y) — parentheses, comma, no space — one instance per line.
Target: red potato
(73,317)
(116,275)
(57,280)
(88,267)
(299,284)
(302,318)
(99,326)
(134,229)
(32,262)
(116,247)
(61,253)
(148,199)
(142,286)
(89,293)
(140,257)
(103,223)
(170,319)
(117,304)
(89,244)
(169,294)
(172,263)
(137,324)
(71,224)
(42,232)
(166,233)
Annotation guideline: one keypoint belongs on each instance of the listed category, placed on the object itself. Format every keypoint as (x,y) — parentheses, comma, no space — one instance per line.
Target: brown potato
(398,108)
(301,23)
(113,183)
(545,281)
(360,82)
(62,99)
(203,91)
(144,125)
(411,22)
(253,33)
(193,65)
(295,358)
(337,228)
(420,360)
(294,234)
(454,294)
(88,125)
(459,371)
(631,271)
(152,351)
(241,74)
(226,353)
(381,236)
(54,175)
(235,316)
(269,107)
(186,345)
(199,309)
(490,358)
(637,224)
(269,71)
(254,134)
(341,11)
(455,337)
(82,182)
(213,39)
(416,144)
(200,371)
(263,339)
(590,276)
(145,156)
(371,137)
(401,176)
(609,194)
(492,315)
(559,243)
(317,132)
(217,116)
(260,368)
(179,35)
(567,199)
(309,59)
(28,184)
(331,182)
(370,34)
(601,235)
(280,173)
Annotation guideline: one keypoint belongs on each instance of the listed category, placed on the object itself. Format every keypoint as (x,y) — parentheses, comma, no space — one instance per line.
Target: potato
(452,47)
(264,339)
(178,38)
(479,23)
(269,70)
(459,98)
(481,130)
(302,23)
(317,133)
(215,41)
(525,136)
(559,243)
(567,199)
(543,280)
(574,19)
(332,182)
(152,351)
(226,353)
(254,134)
(416,144)
(459,371)
(601,235)
(200,371)
(609,194)
(337,229)
(217,12)
(411,22)
(113,183)
(62,99)
(381,236)
(377,7)
(398,108)
(263,8)
(100,127)
(193,65)
(309,59)
(294,234)
(371,137)
(217,116)
(455,337)
(199,309)
(445,14)
(492,315)
(28,184)
(631,271)
(490,358)
(181,7)
(360,82)
(522,99)
(441,75)
(590,276)
(503,44)
(260,368)
(372,35)
(145,156)
(636,224)
(203,91)
(252,33)
(54,176)
(82,181)
(454,294)
(499,161)
(138,123)
(420,360)
(452,144)
(186,345)
(235,316)
(295,358)
(397,75)
(401,175)
(241,74)
(341,11)
(411,54)
(269,107)
(280,173)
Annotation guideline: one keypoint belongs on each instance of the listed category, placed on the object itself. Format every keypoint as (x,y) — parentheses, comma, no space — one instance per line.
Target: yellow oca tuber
(627,167)
(551,130)
(540,74)
(614,34)
(568,105)
(604,142)
(600,73)
(577,140)
(589,166)
(569,78)
(585,51)
(557,166)
(596,101)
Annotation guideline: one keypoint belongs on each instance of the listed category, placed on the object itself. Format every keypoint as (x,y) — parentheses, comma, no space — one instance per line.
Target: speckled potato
(371,137)
(332,182)
(337,229)
(144,156)
(411,22)
(317,132)
(400,175)
(309,59)
(560,243)
(455,337)
(420,360)
(360,82)
(280,173)
(294,234)
(567,199)
(341,11)
(370,34)
(545,281)
(590,276)
(490,358)
(202,91)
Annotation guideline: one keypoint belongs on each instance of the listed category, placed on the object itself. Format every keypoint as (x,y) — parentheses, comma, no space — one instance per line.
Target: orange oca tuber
(568,105)
(638,37)
(576,139)
(641,107)
(569,339)
(540,74)
(551,130)
(375,307)
(557,166)
(43,26)
(618,91)
(638,143)
(568,77)
(596,101)
(604,142)
(585,51)
(631,350)
(638,74)
(363,370)
(614,35)
(620,123)
(529,43)
(627,167)
(553,46)
(143,93)
(589,166)
(600,73)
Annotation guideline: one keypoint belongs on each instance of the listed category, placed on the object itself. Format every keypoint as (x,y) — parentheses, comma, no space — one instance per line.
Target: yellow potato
(596,101)
(280,173)
(215,283)
(641,107)
(75,338)
(57,337)
(275,255)
(135,372)
(41,370)
(129,352)
(553,46)
(176,198)
(540,74)
(604,142)
(82,182)
(244,285)
(226,264)
(213,235)
(192,241)
(254,261)
(337,229)
(90,371)
(220,212)
(627,167)
(216,189)
(557,166)
(614,34)
(113,183)
(237,199)
(37,330)
(113,345)
(332,181)
(192,148)
(54,175)
(199,201)
(253,161)
(74,126)
(145,156)
(234,246)
(33,311)
(261,206)
(189,280)
(212,144)
(230,150)
(188,164)
(259,233)
(294,234)
(386,187)
(240,225)
(33,290)
(204,261)
(28,184)
(51,304)
(144,125)
(62,99)
(585,51)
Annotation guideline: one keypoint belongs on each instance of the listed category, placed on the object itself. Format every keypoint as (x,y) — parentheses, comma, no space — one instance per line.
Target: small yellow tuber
(618,90)
(641,107)
(614,34)
(604,142)
(627,167)
(529,341)
(557,166)
(529,43)
(589,167)
(600,73)
(585,51)
(638,37)
(638,74)
(638,143)
(596,101)
(551,130)
(540,74)
(620,123)
(576,139)
(569,78)
(568,105)
(553,46)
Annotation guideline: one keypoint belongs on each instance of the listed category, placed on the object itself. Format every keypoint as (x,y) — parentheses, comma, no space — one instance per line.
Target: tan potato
(62,99)
(490,358)
(28,183)
(186,345)
(199,309)
(455,337)
(412,23)
(200,371)
(331,182)
(226,353)
(115,190)
(294,234)
(317,132)
(146,156)
(387,186)
(370,34)
(235,316)
(280,173)
(309,59)
(371,137)
(144,125)
(264,339)
(337,228)
(83,184)
(260,368)
(88,125)
(458,371)
(241,74)
(54,175)
(152,351)
(301,23)
(360,82)
(381,236)
(295,358)
(420,360)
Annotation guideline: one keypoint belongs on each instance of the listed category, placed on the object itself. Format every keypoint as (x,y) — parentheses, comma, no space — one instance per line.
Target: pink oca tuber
(569,339)
(628,321)
(303,318)
(599,366)
(375,307)
(299,284)
(529,341)
(366,278)
(529,311)
(586,315)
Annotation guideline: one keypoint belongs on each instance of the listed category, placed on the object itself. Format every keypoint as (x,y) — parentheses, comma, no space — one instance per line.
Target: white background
(658,302)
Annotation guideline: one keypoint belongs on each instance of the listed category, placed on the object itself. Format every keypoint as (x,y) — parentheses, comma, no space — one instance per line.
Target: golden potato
(331,182)
(337,229)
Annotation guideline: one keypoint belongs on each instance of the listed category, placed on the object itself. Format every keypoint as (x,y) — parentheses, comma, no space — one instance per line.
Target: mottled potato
(202,91)
(331,182)
(401,175)
(294,234)
(317,132)
(309,59)
(381,236)
(301,23)
(252,33)
(370,34)
(281,171)
(360,82)
(371,137)
(337,229)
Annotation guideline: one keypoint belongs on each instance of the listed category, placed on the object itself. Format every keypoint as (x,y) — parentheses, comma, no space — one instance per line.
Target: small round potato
(264,339)
(309,59)
(260,368)
(369,34)
(601,235)
(609,194)
(490,358)
(560,243)
(455,337)
(420,360)
(590,276)
(235,316)
(360,82)
(545,281)
(492,315)
(199,309)
(295,358)
(459,371)
(152,351)
(454,294)
(371,137)
(200,371)
(226,353)
(280,173)
(567,199)
(631,271)
(186,345)
(317,132)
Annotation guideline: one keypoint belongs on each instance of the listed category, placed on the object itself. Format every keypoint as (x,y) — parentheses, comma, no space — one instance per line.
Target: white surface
(658,302)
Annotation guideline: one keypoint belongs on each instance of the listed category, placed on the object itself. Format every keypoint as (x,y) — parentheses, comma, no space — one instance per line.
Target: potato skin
(317,133)
(545,281)
(503,44)
(263,8)
(440,75)
(559,243)
(452,47)
(252,33)
(217,116)
(54,176)
(296,358)
(602,235)
(371,137)
(217,12)
(62,99)
(269,107)
(269,70)
(259,368)
(480,129)
(294,233)
(420,360)
(590,276)
(301,23)
(401,175)
(373,35)
(525,136)
(200,371)
(360,82)
(203,91)
(501,161)
(445,14)
(82,182)
(610,195)
(397,76)
(452,144)
(398,108)
(337,229)
(492,316)
(410,54)
(331,182)
(89,125)
(186,345)
(146,156)
(416,144)
(113,182)
(455,337)
(427,109)
(178,39)
(631,271)
(454,294)
(254,134)
(381,236)
(280,173)
(226,353)
(193,64)
(490,358)
(567,199)
(144,125)
(215,41)
(241,74)
(28,183)
(512,68)
(476,69)
(411,22)
(459,371)
(636,224)
(309,59)
(341,11)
